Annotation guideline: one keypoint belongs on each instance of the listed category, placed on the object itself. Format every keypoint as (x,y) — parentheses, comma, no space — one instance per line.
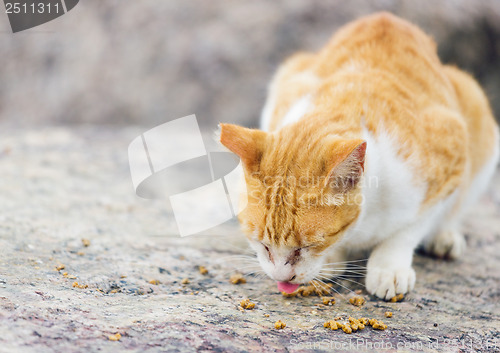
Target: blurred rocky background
(145,62)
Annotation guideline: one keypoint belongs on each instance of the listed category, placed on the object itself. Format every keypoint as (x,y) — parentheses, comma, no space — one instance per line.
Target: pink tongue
(287,287)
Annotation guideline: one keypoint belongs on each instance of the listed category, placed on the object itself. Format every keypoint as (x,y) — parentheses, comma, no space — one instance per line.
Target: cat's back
(379,49)
(383,73)
(402,53)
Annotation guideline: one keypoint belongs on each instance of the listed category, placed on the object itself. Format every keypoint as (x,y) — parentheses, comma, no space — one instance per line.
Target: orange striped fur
(381,76)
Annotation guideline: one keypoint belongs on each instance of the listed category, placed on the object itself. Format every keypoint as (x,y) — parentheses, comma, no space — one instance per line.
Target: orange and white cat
(369,144)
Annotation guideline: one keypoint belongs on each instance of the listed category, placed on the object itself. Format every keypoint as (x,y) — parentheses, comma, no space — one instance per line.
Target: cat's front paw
(386,283)
(446,244)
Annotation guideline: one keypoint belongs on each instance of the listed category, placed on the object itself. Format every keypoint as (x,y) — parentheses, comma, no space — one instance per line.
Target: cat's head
(303,195)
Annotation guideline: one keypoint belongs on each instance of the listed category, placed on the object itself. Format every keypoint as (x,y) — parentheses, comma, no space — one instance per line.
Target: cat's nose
(284,277)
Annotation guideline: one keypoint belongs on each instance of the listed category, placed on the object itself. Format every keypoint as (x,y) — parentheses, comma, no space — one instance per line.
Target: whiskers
(245,264)
(339,272)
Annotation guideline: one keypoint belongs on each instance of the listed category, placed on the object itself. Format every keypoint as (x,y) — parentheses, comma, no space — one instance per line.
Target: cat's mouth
(287,287)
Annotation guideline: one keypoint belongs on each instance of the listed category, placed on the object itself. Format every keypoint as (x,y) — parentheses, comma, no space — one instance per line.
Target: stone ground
(58,186)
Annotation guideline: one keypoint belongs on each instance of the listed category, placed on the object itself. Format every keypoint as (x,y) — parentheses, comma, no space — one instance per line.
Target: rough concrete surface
(59,185)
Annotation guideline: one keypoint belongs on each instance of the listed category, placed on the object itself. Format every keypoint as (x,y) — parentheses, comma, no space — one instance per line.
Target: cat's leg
(448,243)
(389,269)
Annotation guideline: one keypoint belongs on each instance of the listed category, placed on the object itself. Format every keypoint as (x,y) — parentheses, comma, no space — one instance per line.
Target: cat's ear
(248,144)
(346,163)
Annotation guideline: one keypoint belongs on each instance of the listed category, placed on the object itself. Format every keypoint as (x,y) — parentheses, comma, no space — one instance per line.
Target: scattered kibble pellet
(115,337)
(347,328)
(65,274)
(60,267)
(237,278)
(247,304)
(315,287)
(81,286)
(203,270)
(354,324)
(388,314)
(357,300)
(85,242)
(332,324)
(155,282)
(266,315)
(279,325)
(305,291)
(397,298)
(80,253)
(185,281)
(328,300)
(321,288)
(379,325)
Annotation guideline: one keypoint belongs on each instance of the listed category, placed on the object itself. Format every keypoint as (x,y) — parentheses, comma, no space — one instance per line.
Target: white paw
(386,283)
(447,244)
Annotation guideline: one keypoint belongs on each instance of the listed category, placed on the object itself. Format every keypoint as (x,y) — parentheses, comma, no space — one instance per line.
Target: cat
(370,144)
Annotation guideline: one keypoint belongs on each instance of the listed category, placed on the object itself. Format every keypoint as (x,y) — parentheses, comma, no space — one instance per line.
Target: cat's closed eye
(294,258)
(269,254)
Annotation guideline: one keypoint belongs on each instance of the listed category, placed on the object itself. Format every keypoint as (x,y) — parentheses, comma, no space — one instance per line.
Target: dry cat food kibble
(237,278)
(279,325)
(328,300)
(354,324)
(203,270)
(86,242)
(305,291)
(60,267)
(247,304)
(321,288)
(185,281)
(397,298)
(357,300)
(332,324)
(81,286)
(315,287)
(115,337)
(379,325)
(154,281)
(346,328)
(388,314)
